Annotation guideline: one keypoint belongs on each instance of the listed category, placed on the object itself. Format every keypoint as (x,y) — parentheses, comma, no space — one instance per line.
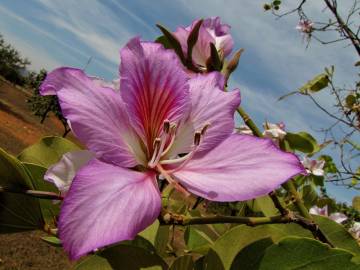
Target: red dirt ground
(19,129)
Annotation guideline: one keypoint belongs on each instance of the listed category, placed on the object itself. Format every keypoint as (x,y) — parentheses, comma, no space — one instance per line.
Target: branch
(33,193)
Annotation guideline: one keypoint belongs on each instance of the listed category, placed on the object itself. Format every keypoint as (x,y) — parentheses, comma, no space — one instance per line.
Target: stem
(174,219)
(33,193)
(249,122)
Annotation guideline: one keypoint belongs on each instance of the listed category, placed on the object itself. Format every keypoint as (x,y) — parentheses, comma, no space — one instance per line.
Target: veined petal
(209,105)
(62,173)
(97,114)
(154,87)
(106,204)
(242,167)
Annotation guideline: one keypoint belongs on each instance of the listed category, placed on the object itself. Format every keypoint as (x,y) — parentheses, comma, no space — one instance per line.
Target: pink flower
(276,132)
(355,230)
(314,167)
(337,217)
(211,31)
(305,26)
(159,123)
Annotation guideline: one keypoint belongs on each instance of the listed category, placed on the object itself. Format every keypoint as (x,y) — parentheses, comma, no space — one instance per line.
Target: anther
(204,128)
(166,126)
(197,138)
(156,143)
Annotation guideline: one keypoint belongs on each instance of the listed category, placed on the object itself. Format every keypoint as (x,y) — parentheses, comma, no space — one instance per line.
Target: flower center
(167,139)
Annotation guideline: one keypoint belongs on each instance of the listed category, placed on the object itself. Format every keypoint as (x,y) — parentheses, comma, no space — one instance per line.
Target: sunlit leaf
(318,83)
(47,151)
(18,212)
(227,248)
(304,253)
(302,142)
(337,234)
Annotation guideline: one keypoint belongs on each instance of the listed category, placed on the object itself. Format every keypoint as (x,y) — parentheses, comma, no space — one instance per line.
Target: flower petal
(209,105)
(154,87)
(338,217)
(62,173)
(242,167)
(97,114)
(106,204)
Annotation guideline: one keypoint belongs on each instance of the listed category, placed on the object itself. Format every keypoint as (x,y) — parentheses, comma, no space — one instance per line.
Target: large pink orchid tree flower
(211,31)
(159,123)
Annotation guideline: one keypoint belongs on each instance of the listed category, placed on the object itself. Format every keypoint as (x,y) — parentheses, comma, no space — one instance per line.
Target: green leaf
(309,195)
(52,240)
(356,203)
(183,263)
(212,261)
(337,234)
(150,232)
(227,248)
(122,256)
(350,100)
(263,204)
(197,240)
(302,142)
(47,151)
(330,166)
(18,212)
(304,253)
(49,209)
(251,256)
(318,83)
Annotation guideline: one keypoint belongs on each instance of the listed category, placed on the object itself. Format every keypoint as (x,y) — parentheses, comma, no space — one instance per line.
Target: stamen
(204,129)
(172,136)
(156,146)
(171,181)
(197,138)
(166,126)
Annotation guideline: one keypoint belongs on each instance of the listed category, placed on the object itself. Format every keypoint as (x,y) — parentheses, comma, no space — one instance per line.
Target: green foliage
(316,84)
(337,234)
(356,203)
(183,263)
(17,212)
(47,151)
(123,256)
(295,253)
(302,142)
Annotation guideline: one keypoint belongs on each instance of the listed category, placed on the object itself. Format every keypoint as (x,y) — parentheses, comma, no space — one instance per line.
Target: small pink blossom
(305,26)
(211,31)
(313,166)
(355,230)
(276,132)
(337,217)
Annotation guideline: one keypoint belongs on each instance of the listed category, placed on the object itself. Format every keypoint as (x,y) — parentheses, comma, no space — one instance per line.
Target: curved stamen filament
(172,136)
(171,181)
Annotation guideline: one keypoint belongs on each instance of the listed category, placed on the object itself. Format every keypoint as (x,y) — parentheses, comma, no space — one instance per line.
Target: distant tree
(12,64)
(41,106)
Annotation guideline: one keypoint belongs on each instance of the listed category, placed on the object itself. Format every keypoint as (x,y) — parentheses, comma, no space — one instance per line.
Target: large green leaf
(157,235)
(49,208)
(232,242)
(197,238)
(47,151)
(183,263)
(337,234)
(18,212)
(307,254)
(250,256)
(122,256)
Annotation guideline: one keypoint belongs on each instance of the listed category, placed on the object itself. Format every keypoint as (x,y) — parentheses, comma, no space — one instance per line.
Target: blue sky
(55,33)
